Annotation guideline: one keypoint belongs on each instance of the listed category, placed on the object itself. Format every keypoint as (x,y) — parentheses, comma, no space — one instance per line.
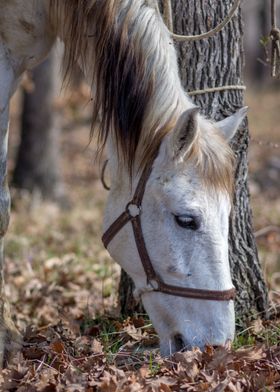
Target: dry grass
(264,165)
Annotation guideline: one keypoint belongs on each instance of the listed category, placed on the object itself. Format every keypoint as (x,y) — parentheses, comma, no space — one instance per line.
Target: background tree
(37,164)
(216,62)
(257,26)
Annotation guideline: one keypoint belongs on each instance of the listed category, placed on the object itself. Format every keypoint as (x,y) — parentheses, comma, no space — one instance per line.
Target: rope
(167,14)
(168,19)
(216,89)
(275,43)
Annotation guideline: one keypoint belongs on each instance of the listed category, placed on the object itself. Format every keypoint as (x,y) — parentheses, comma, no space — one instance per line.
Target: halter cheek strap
(132,214)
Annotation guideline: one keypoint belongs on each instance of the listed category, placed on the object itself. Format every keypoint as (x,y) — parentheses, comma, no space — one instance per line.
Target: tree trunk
(128,305)
(37,166)
(215,62)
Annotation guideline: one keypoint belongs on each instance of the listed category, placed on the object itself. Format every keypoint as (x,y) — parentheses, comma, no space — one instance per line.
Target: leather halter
(132,214)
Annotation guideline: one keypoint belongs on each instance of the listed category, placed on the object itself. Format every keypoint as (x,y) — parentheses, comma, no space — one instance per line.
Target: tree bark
(37,166)
(216,62)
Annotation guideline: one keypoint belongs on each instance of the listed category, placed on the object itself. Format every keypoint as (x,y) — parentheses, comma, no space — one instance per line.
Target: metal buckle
(133,209)
(154,284)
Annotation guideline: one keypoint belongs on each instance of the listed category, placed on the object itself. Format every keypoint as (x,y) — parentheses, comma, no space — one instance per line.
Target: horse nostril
(179,342)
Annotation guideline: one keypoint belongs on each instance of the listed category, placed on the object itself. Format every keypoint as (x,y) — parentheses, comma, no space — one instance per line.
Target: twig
(275,43)
(265,230)
(42,363)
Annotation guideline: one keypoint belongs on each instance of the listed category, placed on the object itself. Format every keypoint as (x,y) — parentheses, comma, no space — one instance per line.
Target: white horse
(175,165)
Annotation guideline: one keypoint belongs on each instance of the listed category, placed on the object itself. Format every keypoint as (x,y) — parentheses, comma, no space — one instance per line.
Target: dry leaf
(96,346)
(221,359)
(251,353)
(134,333)
(256,327)
(57,346)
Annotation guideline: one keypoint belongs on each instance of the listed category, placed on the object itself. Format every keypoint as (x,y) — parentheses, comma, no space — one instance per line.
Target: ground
(63,286)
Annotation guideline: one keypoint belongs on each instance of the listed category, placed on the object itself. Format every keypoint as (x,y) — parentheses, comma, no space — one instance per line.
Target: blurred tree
(37,165)
(215,62)
(256,26)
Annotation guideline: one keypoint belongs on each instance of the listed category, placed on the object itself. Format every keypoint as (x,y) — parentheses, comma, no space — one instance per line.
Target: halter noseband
(132,214)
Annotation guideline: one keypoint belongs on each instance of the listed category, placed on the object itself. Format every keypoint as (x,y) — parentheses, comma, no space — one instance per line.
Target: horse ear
(184,133)
(230,125)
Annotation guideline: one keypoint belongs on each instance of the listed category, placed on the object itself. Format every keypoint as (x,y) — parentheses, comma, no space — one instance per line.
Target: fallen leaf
(221,359)
(96,346)
(134,333)
(57,346)
(251,354)
(256,327)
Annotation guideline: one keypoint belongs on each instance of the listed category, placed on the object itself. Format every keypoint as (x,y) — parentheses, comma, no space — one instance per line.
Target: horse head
(185,208)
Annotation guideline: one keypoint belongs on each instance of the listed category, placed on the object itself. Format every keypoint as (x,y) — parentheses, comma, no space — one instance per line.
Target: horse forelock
(127,64)
(214,159)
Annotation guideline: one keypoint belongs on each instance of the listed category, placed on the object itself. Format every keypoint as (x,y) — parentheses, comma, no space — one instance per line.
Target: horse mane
(123,75)
(125,49)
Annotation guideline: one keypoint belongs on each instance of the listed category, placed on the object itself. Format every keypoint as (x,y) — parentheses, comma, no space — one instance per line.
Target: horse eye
(186,222)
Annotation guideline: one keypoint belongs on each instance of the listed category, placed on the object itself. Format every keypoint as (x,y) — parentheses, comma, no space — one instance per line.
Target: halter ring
(133,209)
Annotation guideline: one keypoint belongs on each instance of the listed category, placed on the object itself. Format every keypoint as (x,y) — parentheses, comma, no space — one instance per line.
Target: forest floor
(63,285)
